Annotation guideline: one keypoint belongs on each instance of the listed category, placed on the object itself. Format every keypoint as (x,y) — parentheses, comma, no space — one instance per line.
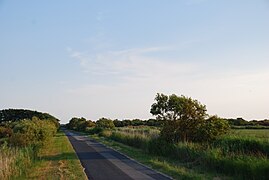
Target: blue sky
(95,58)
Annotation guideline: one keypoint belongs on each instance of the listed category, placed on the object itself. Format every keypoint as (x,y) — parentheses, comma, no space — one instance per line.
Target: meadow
(240,154)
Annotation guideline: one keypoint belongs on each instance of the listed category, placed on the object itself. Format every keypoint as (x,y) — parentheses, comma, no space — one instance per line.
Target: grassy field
(57,160)
(242,154)
(251,133)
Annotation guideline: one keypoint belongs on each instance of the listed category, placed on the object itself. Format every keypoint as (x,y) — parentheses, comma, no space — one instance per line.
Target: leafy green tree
(183,118)
(105,123)
(83,125)
(76,123)
(154,122)
(137,122)
(13,115)
(212,128)
(127,122)
(118,123)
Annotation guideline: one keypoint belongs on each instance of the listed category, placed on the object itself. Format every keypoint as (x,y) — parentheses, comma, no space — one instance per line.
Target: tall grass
(15,161)
(144,131)
(134,140)
(243,146)
(242,157)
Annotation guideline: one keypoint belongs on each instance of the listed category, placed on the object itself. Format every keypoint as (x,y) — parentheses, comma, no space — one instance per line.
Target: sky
(97,58)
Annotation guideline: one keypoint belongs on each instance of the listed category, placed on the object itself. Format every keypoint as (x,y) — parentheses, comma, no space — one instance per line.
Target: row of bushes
(223,156)
(34,132)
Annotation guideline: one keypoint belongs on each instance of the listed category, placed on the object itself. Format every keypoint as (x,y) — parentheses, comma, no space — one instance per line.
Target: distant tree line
(138,122)
(81,124)
(242,122)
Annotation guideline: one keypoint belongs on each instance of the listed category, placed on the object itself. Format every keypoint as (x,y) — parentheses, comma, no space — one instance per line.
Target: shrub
(95,130)
(5,132)
(32,132)
(105,133)
(211,129)
(105,123)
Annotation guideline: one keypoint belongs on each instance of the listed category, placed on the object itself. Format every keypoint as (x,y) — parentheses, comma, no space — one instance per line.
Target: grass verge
(173,168)
(57,160)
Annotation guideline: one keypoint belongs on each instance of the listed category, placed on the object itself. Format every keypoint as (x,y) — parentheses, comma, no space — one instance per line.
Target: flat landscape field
(251,133)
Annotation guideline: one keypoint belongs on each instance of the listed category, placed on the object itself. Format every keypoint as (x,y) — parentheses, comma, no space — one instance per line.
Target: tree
(12,115)
(183,117)
(137,122)
(212,128)
(77,123)
(105,123)
(118,123)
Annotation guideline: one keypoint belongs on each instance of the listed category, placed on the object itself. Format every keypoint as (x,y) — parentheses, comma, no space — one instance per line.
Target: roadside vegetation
(26,140)
(57,160)
(186,137)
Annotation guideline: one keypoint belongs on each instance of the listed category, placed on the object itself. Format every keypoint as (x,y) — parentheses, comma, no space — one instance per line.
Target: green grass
(250,133)
(235,155)
(57,160)
(171,167)
(15,162)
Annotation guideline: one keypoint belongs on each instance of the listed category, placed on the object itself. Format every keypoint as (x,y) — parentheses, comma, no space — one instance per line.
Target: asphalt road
(101,162)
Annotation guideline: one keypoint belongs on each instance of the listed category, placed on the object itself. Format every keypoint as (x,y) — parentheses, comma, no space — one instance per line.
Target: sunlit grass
(57,161)
(173,168)
(235,154)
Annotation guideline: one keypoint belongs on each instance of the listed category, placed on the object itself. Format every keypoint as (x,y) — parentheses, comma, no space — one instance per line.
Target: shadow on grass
(63,156)
(84,156)
(70,156)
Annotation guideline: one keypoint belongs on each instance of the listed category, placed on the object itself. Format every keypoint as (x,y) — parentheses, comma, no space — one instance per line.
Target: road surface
(103,163)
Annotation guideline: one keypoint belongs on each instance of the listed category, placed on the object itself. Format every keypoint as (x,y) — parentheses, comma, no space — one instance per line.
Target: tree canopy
(20,114)
(13,115)
(185,119)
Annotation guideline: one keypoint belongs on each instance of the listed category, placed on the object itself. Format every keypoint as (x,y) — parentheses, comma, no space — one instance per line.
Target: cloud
(230,94)
(130,63)
(140,73)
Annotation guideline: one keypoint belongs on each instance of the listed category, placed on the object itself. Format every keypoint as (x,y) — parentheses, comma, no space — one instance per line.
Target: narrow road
(101,162)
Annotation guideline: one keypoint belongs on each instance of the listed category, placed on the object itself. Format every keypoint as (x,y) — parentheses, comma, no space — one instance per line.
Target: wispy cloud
(142,73)
(137,62)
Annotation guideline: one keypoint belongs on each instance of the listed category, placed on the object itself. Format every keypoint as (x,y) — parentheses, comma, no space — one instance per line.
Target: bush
(105,133)
(95,130)
(32,132)
(211,129)
(105,123)
(5,132)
